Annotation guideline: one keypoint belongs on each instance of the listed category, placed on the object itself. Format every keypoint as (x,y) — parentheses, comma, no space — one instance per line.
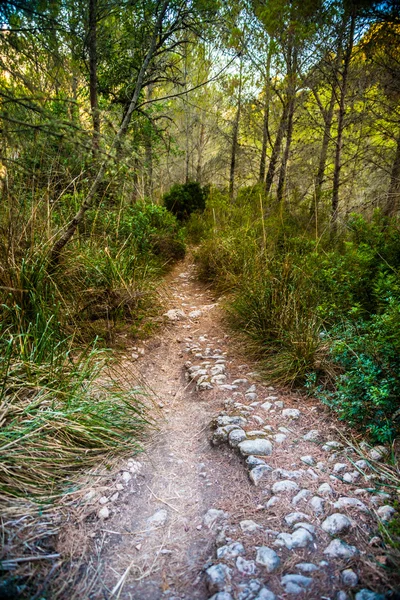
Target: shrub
(184,199)
(367,391)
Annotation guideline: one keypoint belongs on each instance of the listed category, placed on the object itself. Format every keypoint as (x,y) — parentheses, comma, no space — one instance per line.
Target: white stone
(312,436)
(249,526)
(212,516)
(325,490)
(158,519)
(349,578)
(291,413)
(285,486)
(258,447)
(258,473)
(345,502)
(126,476)
(230,551)
(245,567)
(317,505)
(195,314)
(272,501)
(386,513)
(306,567)
(336,523)
(280,438)
(339,467)
(339,549)
(368,595)
(301,496)
(266,406)
(296,517)
(104,500)
(308,460)
(268,558)
(236,436)
(103,513)
(175,314)
(218,577)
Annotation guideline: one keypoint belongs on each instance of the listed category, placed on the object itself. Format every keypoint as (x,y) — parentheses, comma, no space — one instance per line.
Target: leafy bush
(367,391)
(185,198)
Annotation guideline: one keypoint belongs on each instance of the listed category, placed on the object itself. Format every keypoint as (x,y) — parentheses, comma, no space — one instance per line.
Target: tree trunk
(292,73)
(276,150)
(148,150)
(393,196)
(263,157)
(235,136)
(341,120)
(199,167)
(94,102)
(88,201)
(320,177)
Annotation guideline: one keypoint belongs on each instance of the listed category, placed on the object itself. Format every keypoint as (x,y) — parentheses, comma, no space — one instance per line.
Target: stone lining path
(245,492)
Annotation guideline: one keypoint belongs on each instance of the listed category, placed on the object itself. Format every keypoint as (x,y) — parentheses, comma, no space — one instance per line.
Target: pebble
(308,460)
(175,314)
(220,596)
(300,538)
(265,594)
(295,584)
(336,523)
(291,413)
(231,550)
(301,496)
(266,406)
(339,467)
(258,446)
(245,567)
(158,519)
(268,558)
(361,464)
(378,453)
(317,505)
(218,577)
(331,445)
(307,526)
(312,436)
(103,500)
(345,502)
(258,473)
(126,476)
(307,567)
(339,549)
(351,477)
(103,513)
(368,595)
(296,517)
(212,516)
(342,595)
(325,490)
(280,438)
(253,461)
(285,486)
(349,578)
(272,501)
(236,436)
(386,513)
(119,487)
(249,526)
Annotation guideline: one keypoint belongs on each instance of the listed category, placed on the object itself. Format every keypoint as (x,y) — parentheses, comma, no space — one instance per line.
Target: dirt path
(190,518)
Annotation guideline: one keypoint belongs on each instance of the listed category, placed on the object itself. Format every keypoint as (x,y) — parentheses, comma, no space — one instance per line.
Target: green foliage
(367,390)
(314,313)
(185,198)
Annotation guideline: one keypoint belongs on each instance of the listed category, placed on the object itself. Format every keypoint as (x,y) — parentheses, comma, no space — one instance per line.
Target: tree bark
(88,201)
(341,120)
(235,136)
(276,150)
(265,138)
(292,72)
(320,176)
(393,195)
(148,150)
(93,88)
(199,167)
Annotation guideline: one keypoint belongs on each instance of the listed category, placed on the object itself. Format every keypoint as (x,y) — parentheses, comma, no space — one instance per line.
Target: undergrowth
(317,310)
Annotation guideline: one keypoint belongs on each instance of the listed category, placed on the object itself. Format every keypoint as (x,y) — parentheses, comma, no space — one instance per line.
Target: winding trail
(192,518)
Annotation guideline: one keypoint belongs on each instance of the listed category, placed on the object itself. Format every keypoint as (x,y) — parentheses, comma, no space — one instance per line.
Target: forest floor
(188,518)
